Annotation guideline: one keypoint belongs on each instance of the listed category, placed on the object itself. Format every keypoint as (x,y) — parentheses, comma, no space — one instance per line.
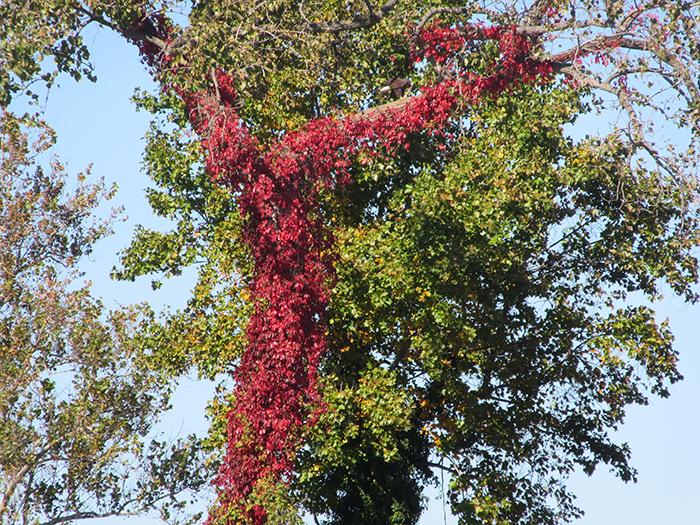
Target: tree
(439,282)
(78,400)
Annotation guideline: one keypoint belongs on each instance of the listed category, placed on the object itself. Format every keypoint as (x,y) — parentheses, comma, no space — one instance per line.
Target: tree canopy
(445,281)
(78,401)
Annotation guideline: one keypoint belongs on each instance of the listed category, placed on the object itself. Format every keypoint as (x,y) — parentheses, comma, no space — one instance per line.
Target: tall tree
(441,281)
(77,399)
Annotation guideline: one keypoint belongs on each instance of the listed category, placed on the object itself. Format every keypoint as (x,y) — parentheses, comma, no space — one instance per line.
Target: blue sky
(96,123)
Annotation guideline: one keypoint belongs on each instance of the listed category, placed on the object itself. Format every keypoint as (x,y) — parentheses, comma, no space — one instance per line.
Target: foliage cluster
(78,402)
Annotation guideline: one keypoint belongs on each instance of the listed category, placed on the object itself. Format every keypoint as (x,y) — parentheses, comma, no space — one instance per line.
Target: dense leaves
(495,287)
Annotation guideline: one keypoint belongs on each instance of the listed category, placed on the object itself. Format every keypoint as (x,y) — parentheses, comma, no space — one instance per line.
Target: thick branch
(630,18)
(10,489)
(377,111)
(358,22)
(621,41)
(443,467)
(168,48)
(539,30)
(75,516)
(126,32)
(17,478)
(430,14)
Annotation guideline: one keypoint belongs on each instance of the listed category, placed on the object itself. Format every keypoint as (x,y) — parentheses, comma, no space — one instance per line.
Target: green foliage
(209,333)
(365,458)
(77,400)
(494,285)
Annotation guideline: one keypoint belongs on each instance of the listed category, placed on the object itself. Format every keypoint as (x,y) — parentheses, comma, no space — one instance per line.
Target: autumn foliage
(292,249)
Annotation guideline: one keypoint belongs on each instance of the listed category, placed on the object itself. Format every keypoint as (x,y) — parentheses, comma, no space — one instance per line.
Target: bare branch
(11,487)
(356,23)
(539,30)
(176,47)
(126,32)
(431,13)
(75,516)
(442,467)
(629,19)
(635,132)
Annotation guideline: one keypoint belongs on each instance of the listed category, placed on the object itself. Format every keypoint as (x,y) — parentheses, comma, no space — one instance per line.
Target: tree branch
(635,133)
(358,22)
(121,30)
(10,489)
(374,113)
(168,48)
(442,467)
(438,11)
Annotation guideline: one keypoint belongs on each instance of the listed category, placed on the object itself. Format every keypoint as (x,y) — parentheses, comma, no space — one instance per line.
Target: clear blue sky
(96,123)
